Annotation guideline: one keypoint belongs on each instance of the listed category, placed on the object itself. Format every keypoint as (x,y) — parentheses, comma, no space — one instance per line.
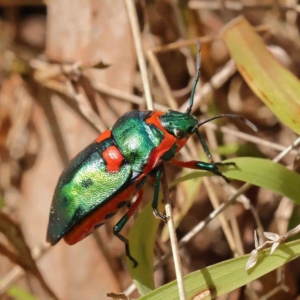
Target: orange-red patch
(153,119)
(180,144)
(113,158)
(163,147)
(103,136)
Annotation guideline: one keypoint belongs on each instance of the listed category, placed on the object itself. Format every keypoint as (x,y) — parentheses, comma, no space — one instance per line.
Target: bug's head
(180,125)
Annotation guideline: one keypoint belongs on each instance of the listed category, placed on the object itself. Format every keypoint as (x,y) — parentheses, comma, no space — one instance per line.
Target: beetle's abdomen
(136,139)
(93,177)
(100,215)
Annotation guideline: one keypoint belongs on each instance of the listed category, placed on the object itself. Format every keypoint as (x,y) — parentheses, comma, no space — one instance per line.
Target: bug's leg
(119,226)
(156,196)
(210,158)
(200,165)
(205,147)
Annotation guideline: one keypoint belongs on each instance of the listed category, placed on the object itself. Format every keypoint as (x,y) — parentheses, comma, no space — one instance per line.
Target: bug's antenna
(247,122)
(197,76)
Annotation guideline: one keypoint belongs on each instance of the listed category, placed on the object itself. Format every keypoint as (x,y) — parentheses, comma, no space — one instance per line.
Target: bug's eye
(179,134)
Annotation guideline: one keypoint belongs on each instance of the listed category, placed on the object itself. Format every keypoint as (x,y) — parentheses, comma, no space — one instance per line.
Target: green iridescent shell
(84,186)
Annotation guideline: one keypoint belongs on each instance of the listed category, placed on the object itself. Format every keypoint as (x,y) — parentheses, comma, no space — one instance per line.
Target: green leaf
(276,86)
(260,172)
(266,174)
(227,276)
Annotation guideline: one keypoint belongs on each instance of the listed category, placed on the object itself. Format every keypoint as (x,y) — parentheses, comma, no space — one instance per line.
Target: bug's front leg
(157,214)
(119,226)
(200,165)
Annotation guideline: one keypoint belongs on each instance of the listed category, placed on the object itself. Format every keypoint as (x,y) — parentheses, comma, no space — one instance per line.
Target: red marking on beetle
(185,164)
(180,144)
(163,147)
(113,158)
(86,226)
(153,119)
(103,136)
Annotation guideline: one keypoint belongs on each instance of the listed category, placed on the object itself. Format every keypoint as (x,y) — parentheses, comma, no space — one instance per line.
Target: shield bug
(108,173)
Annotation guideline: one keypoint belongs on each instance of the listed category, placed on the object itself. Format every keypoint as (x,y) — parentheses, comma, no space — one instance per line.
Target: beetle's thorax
(136,139)
(145,137)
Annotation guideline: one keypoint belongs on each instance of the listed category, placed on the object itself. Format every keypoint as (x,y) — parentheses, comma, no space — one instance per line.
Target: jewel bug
(108,173)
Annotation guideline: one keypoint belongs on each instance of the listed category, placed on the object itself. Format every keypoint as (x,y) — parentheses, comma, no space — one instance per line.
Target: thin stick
(161,78)
(173,238)
(139,51)
(17,272)
(248,137)
(78,94)
(203,39)
(237,6)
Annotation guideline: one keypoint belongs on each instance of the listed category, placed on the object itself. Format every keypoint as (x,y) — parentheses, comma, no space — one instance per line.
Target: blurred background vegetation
(68,70)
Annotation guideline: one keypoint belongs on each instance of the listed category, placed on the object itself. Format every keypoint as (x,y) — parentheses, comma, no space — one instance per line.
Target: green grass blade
(276,86)
(227,276)
(263,173)
(141,242)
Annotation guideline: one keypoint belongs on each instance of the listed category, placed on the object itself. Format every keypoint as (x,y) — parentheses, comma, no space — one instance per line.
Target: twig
(105,89)
(84,105)
(9,3)
(185,43)
(173,238)
(238,5)
(247,204)
(139,50)
(161,78)
(178,19)
(248,137)
(203,39)
(17,272)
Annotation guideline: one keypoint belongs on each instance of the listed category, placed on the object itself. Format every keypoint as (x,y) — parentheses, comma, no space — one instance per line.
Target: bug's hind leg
(119,226)
(200,165)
